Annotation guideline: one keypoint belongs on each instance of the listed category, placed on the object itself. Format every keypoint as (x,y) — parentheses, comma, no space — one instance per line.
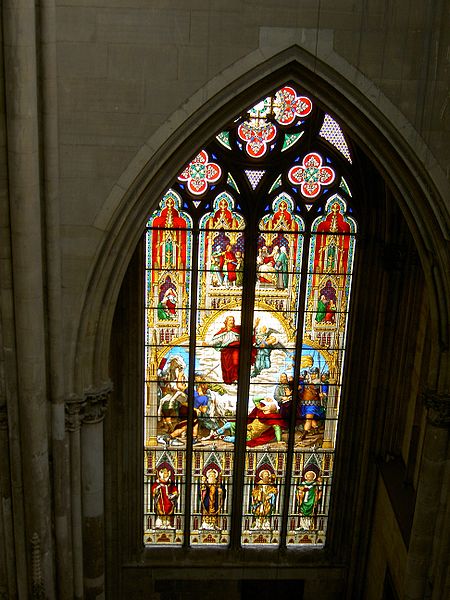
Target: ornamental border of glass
(253,242)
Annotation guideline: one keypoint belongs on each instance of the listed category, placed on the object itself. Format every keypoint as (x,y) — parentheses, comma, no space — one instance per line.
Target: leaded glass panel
(249,261)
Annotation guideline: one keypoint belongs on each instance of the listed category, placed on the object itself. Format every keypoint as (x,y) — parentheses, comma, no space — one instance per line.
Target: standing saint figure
(264,496)
(311,409)
(228,265)
(281,266)
(308,494)
(216,271)
(165,496)
(239,268)
(212,497)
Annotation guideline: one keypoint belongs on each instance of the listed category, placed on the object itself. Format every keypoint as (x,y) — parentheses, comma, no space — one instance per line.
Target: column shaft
(50,171)
(26,241)
(424,557)
(93,495)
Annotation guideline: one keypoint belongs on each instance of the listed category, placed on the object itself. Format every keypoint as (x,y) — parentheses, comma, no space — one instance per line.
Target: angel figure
(266,340)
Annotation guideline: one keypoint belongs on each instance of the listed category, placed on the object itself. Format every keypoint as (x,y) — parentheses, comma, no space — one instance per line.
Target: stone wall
(102,103)
(125,68)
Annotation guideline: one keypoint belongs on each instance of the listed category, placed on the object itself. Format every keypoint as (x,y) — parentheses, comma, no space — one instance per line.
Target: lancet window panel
(249,259)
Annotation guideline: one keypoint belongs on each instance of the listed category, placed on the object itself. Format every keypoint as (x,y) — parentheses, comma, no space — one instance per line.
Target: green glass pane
(224,139)
(290,139)
(232,182)
(344,186)
(276,184)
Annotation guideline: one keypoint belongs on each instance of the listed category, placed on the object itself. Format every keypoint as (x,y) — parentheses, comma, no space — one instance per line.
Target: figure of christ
(165,496)
(227,342)
(264,496)
(212,497)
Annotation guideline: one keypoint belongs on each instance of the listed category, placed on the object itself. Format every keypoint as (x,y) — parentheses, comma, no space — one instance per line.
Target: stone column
(24,180)
(75,407)
(51,200)
(10,452)
(7,555)
(92,469)
(428,549)
(439,417)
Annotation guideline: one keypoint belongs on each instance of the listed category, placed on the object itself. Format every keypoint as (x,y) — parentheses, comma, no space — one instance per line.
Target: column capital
(438,406)
(97,403)
(74,407)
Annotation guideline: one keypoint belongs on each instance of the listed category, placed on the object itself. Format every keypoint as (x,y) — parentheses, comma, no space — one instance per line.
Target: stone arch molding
(375,123)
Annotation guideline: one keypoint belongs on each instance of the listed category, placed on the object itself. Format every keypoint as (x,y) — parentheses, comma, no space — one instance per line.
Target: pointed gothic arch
(419,192)
(373,122)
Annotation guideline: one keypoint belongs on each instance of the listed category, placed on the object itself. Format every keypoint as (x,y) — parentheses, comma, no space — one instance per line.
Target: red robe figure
(170,239)
(227,341)
(332,244)
(228,264)
(264,423)
(165,496)
(282,219)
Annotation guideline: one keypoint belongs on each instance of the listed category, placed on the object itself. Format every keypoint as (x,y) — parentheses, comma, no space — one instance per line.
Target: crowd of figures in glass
(249,262)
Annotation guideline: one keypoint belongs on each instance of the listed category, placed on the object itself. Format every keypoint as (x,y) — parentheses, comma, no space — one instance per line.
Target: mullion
(295,395)
(247,314)
(251,202)
(190,389)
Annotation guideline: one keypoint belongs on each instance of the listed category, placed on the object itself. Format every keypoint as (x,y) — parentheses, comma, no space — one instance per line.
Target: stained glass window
(248,280)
